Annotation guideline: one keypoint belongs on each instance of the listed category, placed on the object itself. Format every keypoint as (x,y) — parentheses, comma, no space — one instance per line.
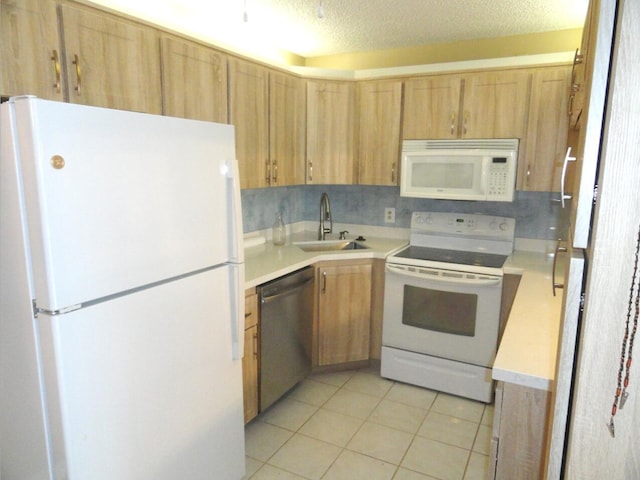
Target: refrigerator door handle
(237,311)
(567,158)
(236,249)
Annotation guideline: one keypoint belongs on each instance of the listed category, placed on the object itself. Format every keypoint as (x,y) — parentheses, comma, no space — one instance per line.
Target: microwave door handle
(438,278)
(484,176)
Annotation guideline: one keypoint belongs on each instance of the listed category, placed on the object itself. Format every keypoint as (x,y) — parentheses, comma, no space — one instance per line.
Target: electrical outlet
(389,215)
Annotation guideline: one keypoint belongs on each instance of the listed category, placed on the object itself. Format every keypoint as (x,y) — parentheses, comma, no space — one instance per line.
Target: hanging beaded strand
(626,353)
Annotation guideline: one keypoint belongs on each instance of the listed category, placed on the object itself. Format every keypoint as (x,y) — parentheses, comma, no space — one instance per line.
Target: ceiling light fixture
(320,10)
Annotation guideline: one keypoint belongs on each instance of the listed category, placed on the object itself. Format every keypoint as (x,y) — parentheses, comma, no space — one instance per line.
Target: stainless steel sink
(329,245)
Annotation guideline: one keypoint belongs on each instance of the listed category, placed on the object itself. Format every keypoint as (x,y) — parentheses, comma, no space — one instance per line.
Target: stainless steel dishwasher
(286,321)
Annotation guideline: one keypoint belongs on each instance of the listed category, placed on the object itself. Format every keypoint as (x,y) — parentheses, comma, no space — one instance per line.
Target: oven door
(443,313)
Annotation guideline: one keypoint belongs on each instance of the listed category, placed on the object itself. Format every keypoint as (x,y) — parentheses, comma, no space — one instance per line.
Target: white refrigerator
(121,296)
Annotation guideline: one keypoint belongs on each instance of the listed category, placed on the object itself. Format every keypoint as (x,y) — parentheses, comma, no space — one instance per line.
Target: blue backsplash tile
(537,216)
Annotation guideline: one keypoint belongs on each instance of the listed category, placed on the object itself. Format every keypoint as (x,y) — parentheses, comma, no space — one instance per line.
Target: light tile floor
(356,425)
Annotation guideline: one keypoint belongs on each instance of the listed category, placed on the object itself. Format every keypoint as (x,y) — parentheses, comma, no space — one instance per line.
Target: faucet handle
(342,234)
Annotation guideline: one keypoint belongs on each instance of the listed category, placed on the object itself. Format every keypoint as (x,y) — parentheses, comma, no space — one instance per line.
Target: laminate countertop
(528,349)
(267,262)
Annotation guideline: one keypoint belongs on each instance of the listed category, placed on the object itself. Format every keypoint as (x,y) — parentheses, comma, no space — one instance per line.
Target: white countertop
(267,262)
(527,353)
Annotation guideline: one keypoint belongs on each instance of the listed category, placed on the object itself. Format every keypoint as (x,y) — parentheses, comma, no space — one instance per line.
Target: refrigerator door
(575,273)
(121,198)
(143,387)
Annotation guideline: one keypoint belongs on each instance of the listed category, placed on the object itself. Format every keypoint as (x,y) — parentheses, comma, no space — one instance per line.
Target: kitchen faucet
(325,214)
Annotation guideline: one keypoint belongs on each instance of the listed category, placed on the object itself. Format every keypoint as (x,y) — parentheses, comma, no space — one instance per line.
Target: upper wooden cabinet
(111,62)
(579,72)
(495,105)
(248,112)
(287,129)
(474,105)
(194,81)
(30,54)
(330,132)
(431,107)
(379,107)
(544,149)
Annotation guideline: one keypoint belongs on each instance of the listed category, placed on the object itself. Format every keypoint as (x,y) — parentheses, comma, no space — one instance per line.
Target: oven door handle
(439,278)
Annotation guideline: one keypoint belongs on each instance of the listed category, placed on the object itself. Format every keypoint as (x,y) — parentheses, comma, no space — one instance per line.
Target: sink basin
(329,245)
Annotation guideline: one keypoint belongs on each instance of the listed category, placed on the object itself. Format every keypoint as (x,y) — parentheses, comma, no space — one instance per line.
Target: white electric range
(442,303)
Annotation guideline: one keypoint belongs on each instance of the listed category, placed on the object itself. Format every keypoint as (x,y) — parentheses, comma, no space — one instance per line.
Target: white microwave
(482,170)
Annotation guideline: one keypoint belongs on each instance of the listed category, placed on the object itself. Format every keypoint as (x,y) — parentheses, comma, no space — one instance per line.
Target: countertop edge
(527,353)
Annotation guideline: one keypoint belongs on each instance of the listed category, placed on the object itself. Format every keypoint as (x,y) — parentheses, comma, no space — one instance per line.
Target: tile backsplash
(537,216)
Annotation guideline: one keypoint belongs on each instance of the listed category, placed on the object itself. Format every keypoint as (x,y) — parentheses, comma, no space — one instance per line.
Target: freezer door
(116,199)
(144,387)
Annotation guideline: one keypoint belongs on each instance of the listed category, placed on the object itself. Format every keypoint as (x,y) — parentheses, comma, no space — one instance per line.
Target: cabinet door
(579,73)
(111,62)
(519,433)
(495,105)
(287,129)
(250,373)
(344,312)
(379,111)
(330,112)
(248,84)
(541,159)
(431,106)
(194,81)
(29,49)
(250,359)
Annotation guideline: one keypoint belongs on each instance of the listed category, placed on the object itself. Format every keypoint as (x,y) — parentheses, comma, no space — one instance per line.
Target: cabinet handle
(76,62)
(577,59)
(453,124)
(554,284)
(464,123)
(267,168)
(575,87)
(324,282)
(393,172)
(56,67)
(311,171)
(275,172)
(255,345)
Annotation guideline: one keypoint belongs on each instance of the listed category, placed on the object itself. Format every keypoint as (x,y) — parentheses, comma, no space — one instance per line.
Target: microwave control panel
(498,182)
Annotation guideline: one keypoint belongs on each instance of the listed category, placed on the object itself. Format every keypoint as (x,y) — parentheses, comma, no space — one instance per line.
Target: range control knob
(493,225)
(504,226)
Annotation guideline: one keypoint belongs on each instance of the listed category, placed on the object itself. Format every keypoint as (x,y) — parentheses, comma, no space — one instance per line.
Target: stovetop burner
(479,259)
(465,242)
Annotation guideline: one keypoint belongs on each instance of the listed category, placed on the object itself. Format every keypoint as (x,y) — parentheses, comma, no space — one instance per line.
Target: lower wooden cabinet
(250,361)
(344,311)
(520,430)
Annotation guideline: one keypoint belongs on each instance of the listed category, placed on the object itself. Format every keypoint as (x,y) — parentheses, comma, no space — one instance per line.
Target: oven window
(447,312)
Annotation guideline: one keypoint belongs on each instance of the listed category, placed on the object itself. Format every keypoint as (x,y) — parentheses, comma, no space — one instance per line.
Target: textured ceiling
(354,25)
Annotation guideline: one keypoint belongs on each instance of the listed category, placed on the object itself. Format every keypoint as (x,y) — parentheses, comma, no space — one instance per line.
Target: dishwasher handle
(289,291)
